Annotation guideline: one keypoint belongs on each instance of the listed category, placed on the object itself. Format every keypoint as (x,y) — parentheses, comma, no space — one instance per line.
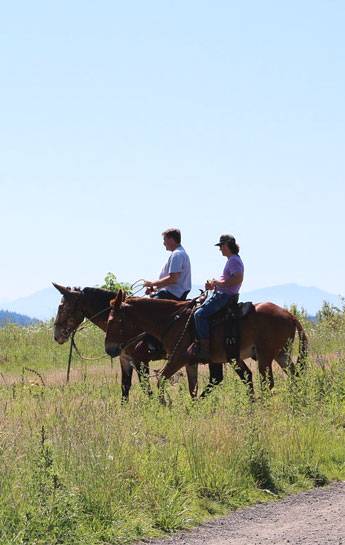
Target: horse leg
(143,371)
(126,375)
(284,358)
(168,371)
(216,377)
(245,375)
(192,375)
(265,368)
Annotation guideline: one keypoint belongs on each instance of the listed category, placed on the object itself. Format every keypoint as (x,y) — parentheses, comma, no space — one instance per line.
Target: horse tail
(303,344)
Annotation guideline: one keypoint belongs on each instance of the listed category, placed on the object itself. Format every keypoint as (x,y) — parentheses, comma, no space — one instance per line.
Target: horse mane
(160,307)
(99,297)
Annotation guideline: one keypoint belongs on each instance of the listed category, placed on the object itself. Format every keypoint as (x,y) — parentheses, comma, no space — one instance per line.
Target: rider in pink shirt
(224,288)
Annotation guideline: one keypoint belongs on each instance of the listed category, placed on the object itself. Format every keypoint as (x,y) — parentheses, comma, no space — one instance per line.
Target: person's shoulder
(235,258)
(182,251)
(179,250)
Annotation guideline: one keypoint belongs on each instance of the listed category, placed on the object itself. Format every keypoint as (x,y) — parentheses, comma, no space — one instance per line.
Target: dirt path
(315,517)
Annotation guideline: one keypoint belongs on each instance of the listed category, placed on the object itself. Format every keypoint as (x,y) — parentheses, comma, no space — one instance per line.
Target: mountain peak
(44,303)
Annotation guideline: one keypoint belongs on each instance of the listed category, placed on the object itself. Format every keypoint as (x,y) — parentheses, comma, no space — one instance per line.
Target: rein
(179,340)
(73,345)
(123,345)
(68,332)
(176,316)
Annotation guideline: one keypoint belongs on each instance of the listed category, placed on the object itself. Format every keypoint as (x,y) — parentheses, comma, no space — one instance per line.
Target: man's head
(171,239)
(230,242)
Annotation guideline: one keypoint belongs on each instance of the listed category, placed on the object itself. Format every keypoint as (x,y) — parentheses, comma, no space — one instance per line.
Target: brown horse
(267,334)
(94,304)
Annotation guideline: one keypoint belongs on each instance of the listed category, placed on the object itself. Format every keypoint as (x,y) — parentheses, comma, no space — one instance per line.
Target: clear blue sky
(121,119)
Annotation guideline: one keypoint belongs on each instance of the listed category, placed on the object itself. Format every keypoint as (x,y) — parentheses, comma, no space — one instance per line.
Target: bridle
(123,344)
(69,332)
(65,330)
(137,286)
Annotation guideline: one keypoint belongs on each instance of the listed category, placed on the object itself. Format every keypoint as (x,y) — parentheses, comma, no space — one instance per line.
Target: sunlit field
(77,467)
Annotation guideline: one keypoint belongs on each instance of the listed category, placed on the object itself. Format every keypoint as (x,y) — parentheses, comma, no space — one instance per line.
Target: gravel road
(315,517)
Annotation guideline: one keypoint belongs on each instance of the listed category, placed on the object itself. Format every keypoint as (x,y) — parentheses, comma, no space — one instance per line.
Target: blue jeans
(165,294)
(201,316)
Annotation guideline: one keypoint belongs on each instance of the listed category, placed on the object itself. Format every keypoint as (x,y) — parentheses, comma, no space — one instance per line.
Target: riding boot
(199,351)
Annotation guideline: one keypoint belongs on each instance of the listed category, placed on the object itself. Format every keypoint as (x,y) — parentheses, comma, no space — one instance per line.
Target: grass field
(77,467)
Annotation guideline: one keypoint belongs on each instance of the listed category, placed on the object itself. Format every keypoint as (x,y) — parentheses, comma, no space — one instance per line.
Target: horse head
(69,315)
(114,338)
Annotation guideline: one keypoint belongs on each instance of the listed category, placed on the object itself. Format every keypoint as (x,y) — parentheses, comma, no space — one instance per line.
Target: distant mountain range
(43,304)
(308,297)
(6,317)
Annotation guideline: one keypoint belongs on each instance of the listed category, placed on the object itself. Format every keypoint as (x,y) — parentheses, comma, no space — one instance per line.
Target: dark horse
(94,304)
(267,333)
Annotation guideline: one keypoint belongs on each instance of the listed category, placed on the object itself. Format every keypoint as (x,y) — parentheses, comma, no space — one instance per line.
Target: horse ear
(62,289)
(115,303)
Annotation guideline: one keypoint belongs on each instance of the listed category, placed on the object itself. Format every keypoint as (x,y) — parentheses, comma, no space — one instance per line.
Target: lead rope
(73,345)
(70,357)
(156,373)
(170,358)
(180,339)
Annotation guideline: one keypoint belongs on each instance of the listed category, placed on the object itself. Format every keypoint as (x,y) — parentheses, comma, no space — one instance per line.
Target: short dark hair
(173,233)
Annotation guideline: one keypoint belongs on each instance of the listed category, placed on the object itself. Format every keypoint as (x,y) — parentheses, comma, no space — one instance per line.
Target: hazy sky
(121,119)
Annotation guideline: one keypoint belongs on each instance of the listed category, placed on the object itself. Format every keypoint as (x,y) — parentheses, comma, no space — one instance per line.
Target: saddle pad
(230,317)
(239,311)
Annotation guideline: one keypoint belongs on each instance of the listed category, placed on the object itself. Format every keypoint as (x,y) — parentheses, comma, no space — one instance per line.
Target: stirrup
(193,350)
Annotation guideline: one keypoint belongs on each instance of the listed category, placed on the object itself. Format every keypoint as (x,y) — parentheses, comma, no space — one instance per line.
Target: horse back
(264,324)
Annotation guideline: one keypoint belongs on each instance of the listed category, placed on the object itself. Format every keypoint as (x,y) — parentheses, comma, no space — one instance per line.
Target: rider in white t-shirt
(174,282)
(175,277)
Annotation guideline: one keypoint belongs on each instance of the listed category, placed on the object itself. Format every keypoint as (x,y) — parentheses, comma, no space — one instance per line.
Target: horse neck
(150,315)
(96,312)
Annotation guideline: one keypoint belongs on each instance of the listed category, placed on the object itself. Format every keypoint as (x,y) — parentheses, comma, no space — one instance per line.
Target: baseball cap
(225,238)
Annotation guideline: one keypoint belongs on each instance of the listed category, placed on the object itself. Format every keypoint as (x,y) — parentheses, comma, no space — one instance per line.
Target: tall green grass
(34,347)
(77,467)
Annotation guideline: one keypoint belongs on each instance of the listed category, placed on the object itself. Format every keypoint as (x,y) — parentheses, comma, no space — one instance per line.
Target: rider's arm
(236,278)
(171,278)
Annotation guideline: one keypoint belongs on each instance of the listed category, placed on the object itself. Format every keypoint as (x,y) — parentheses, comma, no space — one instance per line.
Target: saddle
(230,316)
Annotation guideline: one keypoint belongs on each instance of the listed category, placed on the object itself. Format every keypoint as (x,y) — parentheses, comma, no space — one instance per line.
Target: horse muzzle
(112,349)
(60,337)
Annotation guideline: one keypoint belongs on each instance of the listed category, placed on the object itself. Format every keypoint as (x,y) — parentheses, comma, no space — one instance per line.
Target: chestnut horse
(94,304)
(267,333)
